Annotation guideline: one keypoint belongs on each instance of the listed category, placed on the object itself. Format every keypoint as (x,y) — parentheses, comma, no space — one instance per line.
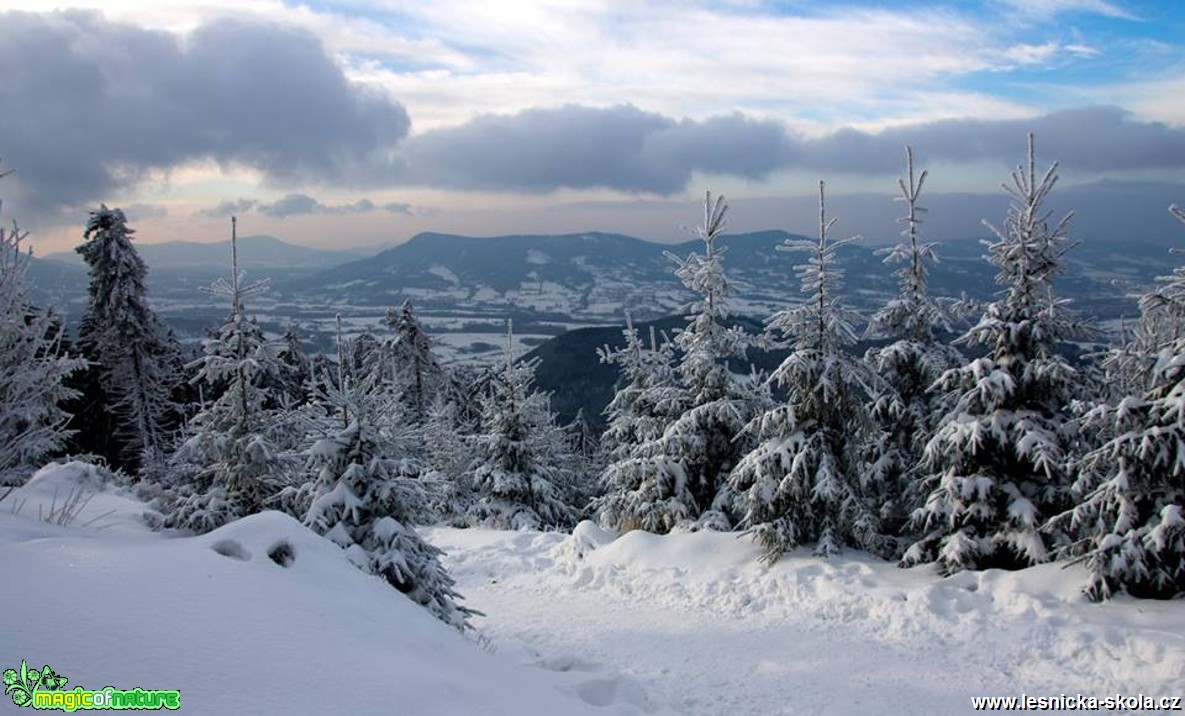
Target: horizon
(334,124)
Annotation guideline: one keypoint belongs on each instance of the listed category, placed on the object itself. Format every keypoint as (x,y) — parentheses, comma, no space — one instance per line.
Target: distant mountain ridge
(259,252)
(592,277)
(552,283)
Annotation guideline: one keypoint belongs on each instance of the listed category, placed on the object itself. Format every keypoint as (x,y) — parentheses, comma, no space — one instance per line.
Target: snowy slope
(577,624)
(698,624)
(234,631)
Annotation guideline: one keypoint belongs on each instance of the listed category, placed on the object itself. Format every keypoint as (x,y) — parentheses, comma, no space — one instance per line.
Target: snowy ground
(693,622)
(682,624)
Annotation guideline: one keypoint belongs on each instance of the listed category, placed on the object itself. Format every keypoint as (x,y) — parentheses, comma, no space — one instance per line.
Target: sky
(343,123)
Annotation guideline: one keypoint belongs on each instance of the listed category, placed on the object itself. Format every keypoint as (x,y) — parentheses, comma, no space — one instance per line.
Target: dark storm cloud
(91,105)
(577,147)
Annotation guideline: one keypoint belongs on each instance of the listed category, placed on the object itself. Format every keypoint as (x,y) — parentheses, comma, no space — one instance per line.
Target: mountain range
(593,277)
(255,253)
(550,284)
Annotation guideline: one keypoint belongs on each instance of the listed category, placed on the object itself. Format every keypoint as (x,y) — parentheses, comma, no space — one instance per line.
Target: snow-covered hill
(236,632)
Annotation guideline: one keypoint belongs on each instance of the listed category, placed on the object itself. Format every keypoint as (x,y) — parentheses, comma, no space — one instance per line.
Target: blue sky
(371,121)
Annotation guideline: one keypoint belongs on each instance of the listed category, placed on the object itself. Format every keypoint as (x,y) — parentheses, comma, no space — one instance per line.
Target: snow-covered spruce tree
(129,415)
(807,479)
(997,463)
(229,462)
(1130,492)
(647,400)
(680,477)
(519,476)
(32,388)
(366,495)
(445,438)
(297,369)
(906,410)
(584,446)
(415,372)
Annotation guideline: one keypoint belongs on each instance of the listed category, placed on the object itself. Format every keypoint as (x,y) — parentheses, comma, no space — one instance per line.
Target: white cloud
(1045,9)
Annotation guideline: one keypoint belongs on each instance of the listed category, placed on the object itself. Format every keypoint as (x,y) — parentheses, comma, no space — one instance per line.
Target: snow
(696,623)
(233,630)
(445,273)
(588,623)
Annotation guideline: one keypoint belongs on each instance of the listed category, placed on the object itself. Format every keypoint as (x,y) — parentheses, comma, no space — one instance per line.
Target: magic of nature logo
(45,690)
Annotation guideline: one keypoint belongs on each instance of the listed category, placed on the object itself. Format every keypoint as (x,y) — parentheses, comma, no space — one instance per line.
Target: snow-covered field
(576,624)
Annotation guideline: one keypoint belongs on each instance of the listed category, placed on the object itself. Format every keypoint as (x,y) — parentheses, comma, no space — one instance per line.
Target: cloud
(298,204)
(228,208)
(1046,9)
(1086,139)
(577,147)
(399,207)
(303,204)
(92,106)
(627,149)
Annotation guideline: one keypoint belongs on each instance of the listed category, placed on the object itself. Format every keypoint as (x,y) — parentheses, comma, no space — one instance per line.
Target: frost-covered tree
(906,410)
(297,368)
(32,388)
(445,438)
(997,464)
(229,463)
(807,479)
(129,413)
(647,400)
(519,477)
(366,495)
(1130,492)
(679,478)
(415,372)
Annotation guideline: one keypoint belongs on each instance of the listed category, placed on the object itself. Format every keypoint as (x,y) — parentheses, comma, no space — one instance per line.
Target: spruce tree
(807,479)
(996,468)
(519,477)
(679,478)
(415,372)
(135,358)
(297,368)
(33,423)
(445,438)
(366,495)
(646,401)
(229,464)
(906,410)
(1130,492)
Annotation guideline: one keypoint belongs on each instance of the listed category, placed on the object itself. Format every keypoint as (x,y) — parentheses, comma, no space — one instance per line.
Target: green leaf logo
(23,685)
(18,685)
